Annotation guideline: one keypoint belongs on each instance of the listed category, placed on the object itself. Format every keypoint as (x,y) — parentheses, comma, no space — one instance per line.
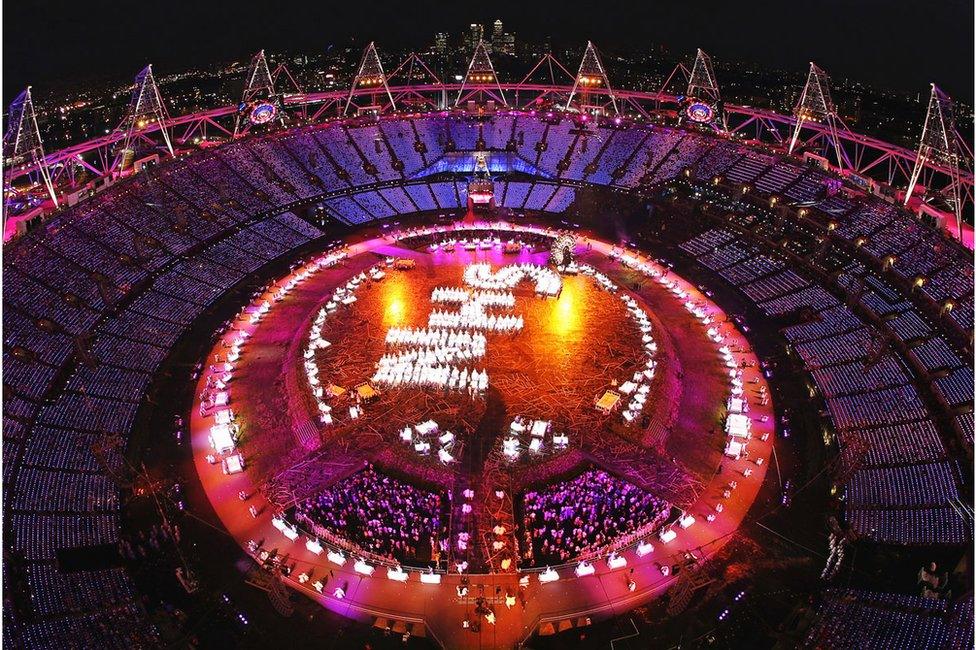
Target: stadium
(487,362)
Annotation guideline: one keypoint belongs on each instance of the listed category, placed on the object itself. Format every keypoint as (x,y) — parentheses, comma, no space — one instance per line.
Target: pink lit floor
(261,386)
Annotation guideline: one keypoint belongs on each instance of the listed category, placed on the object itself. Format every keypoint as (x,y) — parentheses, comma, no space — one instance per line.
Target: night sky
(897,44)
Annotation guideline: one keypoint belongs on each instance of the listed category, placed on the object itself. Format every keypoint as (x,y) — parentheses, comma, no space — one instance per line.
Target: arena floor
(571,349)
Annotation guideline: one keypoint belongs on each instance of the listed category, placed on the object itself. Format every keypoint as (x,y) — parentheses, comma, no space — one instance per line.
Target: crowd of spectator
(380,514)
(568,519)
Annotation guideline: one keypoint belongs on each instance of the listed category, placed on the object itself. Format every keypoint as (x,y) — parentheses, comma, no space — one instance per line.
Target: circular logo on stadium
(700,112)
(262,113)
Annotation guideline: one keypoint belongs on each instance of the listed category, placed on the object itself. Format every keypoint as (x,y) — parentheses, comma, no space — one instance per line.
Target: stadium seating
(853,618)
(59,495)
(902,494)
(95,301)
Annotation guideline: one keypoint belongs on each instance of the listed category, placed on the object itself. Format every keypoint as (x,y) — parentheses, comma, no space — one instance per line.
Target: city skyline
(919,45)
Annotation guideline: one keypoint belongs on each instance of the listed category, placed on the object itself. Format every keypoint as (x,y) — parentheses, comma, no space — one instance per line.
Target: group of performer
(432,376)
(481,276)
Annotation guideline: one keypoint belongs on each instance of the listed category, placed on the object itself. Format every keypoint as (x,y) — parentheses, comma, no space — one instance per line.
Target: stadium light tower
(815,105)
(481,72)
(702,86)
(592,79)
(22,144)
(370,76)
(259,85)
(145,108)
(259,82)
(940,145)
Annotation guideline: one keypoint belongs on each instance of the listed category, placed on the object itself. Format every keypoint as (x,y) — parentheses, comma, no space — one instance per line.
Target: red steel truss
(865,156)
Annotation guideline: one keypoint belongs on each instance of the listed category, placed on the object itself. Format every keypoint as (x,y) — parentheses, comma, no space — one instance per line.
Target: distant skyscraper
(441,40)
(505,44)
(501,41)
(474,35)
(498,30)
